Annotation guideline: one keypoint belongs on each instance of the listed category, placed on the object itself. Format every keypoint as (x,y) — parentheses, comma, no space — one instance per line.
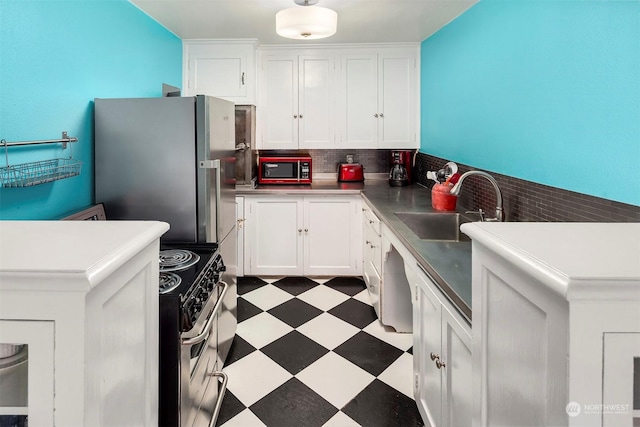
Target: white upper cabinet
(359,101)
(378,98)
(296,94)
(221,68)
(340,96)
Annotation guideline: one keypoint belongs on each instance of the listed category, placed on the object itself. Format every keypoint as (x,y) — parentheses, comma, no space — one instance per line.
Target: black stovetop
(191,274)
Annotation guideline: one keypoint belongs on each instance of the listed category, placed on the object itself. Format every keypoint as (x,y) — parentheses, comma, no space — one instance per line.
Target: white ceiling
(359,21)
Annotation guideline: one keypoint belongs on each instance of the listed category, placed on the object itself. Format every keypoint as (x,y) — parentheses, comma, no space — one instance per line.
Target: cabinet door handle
(381,115)
(371,221)
(242,79)
(306,230)
(299,230)
(375,115)
(434,356)
(300,115)
(366,242)
(440,364)
(295,116)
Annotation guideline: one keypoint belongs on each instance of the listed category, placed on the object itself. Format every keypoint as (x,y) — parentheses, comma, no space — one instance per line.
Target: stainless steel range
(191,383)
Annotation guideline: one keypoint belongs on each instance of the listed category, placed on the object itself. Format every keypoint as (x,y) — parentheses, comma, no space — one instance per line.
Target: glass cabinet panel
(13,384)
(621,380)
(26,373)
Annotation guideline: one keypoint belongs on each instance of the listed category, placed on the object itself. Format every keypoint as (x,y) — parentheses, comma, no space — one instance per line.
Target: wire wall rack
(42,171)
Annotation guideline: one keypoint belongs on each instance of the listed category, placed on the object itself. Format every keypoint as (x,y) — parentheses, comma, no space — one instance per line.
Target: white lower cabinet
(441,355)
(303,235)
(372,255)
(240,234)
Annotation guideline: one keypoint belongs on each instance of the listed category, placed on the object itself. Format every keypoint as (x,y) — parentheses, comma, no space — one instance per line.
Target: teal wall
(546,91)
(56,56)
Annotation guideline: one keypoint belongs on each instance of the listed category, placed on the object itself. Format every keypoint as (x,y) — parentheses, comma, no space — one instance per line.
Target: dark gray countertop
(448,263)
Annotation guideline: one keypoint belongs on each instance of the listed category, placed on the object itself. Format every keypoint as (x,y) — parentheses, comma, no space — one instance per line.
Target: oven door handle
(207,327)
(221,392)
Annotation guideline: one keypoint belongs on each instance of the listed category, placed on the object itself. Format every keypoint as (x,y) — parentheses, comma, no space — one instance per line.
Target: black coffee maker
(400,173)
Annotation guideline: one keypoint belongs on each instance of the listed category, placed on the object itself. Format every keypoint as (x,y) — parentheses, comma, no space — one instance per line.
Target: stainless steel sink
(441,226)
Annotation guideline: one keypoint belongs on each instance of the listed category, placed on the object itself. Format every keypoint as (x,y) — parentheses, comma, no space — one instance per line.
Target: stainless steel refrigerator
(173,159)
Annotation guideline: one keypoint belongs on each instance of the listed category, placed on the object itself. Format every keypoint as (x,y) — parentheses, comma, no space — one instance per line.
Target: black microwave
(284,170)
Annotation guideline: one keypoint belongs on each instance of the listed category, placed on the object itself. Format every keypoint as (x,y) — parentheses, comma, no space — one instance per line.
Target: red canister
(442,199)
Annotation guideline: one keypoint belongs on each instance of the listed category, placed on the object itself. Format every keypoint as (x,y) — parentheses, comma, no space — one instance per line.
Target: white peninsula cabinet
(81,299)
(303,235)
(556,323)
(441,354)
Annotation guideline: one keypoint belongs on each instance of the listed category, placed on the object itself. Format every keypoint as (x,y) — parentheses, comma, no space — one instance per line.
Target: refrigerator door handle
(217,166)
(210,164)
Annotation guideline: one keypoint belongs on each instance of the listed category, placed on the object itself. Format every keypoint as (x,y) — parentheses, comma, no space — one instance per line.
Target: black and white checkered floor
(312,353)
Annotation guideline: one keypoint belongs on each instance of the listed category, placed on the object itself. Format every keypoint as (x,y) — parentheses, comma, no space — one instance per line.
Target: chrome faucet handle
(455,190)
(479,212)
(499,216)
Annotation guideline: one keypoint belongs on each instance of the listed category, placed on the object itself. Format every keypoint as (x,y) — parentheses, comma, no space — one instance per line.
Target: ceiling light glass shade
(306,22)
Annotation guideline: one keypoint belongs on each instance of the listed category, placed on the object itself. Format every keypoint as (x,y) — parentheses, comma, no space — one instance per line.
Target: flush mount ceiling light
(307,22)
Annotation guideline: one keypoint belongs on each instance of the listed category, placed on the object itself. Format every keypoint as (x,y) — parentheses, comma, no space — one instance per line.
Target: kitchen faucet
(499,212)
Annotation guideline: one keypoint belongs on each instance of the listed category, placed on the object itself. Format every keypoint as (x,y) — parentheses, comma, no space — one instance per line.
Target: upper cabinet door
(397,94)
(296,101)
(346,96)
(278,102)
(315,101)
(359,101)
(222,69)
(377,101)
